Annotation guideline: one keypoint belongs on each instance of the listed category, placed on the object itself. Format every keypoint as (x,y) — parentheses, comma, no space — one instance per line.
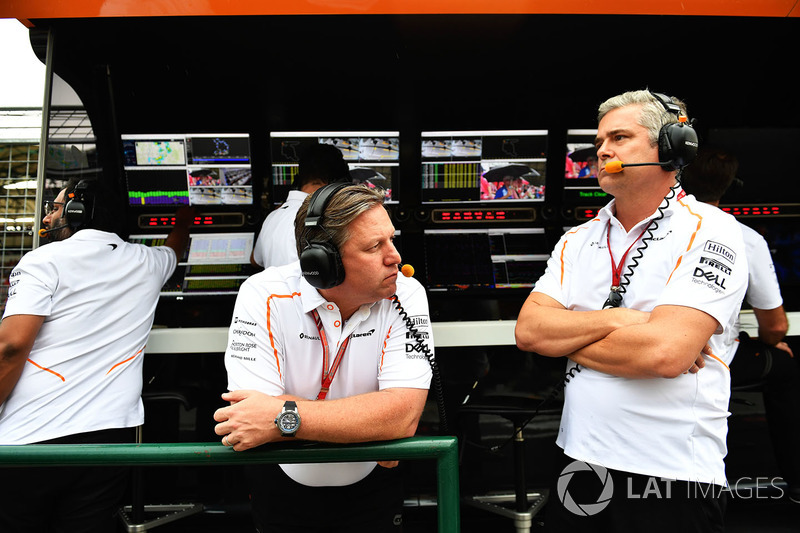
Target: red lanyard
(328,373)
(616,270)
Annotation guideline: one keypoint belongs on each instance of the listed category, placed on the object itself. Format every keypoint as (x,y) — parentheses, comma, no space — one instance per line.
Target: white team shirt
(274,347)
(275,245)
(670,428)
(763,289)
(98,295)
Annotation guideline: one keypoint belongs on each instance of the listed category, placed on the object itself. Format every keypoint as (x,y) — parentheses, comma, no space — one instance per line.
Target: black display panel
(213,264)
(187,169)
(484,259)
(765,171)
(372,156)
(479,166)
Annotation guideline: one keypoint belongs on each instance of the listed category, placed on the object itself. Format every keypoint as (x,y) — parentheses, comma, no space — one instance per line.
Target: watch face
(288,422)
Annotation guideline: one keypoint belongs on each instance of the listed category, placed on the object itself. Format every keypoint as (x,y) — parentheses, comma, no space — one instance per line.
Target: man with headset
(78,316)
(642,301)
(766,360)
(320,164)
(320,350)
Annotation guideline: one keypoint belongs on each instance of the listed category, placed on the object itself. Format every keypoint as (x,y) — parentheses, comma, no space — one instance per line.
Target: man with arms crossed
(328,358)
(78,316)
(650,401)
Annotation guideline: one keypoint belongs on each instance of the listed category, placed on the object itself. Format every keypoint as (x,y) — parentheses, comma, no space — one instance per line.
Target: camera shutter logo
(584,509)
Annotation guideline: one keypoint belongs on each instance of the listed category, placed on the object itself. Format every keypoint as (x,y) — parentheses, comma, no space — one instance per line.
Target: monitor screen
(213,264)
(373,158)
(479,166)
(462,260)
(580,173)
(188,169)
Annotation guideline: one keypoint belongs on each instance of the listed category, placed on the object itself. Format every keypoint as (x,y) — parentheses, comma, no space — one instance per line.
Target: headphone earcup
(677,145)
(322,265)
(75,213)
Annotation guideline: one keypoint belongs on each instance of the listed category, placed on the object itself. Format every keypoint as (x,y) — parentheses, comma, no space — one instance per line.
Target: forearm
(17,335)
(383,415)
(544,327)
(772,325)
(665,347)
(630,353)
(375,416)
(10,371)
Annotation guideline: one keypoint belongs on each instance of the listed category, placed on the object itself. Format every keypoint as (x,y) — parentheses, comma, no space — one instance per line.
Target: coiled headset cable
(436,377)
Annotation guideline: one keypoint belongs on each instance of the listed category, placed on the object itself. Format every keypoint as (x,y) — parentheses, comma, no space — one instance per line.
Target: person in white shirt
(334,348)
(766,360)
(641,301)
(78,316)
(319,165)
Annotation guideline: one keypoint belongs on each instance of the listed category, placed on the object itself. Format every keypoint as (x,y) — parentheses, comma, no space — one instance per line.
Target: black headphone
(320,260)
(677,141)
(79,208)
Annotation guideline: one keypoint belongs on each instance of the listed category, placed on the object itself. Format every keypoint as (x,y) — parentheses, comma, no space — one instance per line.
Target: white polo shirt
(763,289)
(275,245)
(98,295)
(670,428)
(274,347)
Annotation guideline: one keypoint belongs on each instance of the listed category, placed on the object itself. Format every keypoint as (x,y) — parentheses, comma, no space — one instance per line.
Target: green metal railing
(443,449)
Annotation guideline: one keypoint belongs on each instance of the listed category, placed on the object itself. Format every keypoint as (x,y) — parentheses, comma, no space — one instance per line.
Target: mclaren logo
(365,334)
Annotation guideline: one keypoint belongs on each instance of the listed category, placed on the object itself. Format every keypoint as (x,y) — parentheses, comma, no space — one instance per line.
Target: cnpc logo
(584,508)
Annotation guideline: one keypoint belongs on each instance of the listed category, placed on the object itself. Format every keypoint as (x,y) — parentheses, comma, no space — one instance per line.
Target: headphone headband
(319,201)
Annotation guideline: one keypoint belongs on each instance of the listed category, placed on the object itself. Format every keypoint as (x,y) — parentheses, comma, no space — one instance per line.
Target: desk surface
(445,334)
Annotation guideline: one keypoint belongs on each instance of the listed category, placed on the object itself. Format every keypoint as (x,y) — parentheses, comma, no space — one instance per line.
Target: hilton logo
(721,250)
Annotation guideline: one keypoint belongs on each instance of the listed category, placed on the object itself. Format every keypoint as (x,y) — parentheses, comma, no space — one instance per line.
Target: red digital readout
(170,221)
(471,215)
(753,210)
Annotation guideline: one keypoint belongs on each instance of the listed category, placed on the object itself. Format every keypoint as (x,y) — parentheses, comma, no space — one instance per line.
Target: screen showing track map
(160,152)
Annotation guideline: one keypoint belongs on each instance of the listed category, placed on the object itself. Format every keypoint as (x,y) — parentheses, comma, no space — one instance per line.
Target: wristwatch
(288,421)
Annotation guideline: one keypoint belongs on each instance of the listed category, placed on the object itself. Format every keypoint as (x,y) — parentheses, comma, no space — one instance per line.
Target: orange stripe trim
(691,240)
(269,327)
(720,361)
(383,350)
(125,361)
(564,248)
(40,367)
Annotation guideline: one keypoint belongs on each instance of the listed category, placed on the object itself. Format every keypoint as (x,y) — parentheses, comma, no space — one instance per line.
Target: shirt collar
(311,299)
(609,210)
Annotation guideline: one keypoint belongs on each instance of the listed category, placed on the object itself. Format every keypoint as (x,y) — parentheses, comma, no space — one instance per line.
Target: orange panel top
(34,9)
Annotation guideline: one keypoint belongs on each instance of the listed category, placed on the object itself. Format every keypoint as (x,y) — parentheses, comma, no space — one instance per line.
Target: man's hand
(700,362)
(250,419)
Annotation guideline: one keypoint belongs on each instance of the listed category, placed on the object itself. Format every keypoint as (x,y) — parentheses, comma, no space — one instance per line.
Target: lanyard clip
(614,298)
